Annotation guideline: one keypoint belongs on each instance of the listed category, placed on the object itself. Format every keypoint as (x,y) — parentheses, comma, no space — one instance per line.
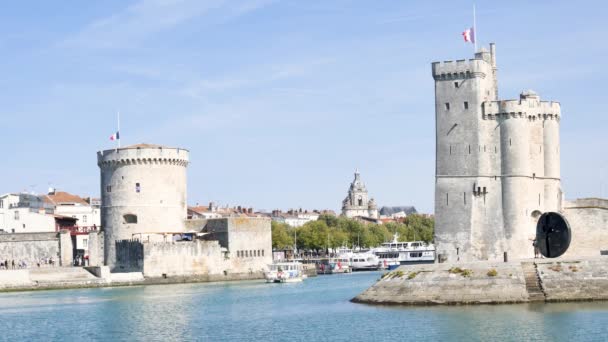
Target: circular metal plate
(552,235)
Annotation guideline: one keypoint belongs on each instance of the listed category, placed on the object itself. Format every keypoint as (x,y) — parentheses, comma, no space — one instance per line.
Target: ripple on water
(317,309)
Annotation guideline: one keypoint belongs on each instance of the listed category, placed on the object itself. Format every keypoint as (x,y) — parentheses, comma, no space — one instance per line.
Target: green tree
(282,237)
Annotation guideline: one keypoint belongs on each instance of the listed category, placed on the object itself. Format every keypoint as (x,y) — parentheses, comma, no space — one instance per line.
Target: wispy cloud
(139,21)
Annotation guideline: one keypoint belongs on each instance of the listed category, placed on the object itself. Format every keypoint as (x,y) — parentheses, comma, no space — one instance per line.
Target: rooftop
(60,197)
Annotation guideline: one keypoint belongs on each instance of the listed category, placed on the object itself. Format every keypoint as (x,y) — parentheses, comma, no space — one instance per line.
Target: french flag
(469,35)
(115,136)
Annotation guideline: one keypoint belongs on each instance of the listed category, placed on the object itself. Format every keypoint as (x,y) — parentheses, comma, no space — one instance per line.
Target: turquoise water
(316,310)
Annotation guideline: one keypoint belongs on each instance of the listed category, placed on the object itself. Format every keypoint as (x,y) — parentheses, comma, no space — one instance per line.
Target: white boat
(405,252)
(361,261)
(284,272)
(334,265)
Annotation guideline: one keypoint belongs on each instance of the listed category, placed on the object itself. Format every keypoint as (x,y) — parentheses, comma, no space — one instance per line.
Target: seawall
(91,277)
(541,280)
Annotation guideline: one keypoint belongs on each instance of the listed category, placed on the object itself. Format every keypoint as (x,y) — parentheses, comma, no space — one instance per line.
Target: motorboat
(285,272)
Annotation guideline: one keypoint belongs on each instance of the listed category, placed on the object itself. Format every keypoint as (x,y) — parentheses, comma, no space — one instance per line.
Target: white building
(66,204)
(25,213)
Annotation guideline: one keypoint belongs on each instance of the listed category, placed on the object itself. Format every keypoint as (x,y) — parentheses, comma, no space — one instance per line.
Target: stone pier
(541,280)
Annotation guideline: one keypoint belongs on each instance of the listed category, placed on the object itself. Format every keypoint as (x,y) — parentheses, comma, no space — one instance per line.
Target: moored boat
(284,272)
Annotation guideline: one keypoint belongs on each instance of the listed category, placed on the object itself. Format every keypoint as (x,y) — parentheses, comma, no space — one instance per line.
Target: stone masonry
(497,163)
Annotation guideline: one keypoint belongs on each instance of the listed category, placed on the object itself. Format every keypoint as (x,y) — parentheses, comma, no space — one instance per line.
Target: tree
(421,227)
(281,235)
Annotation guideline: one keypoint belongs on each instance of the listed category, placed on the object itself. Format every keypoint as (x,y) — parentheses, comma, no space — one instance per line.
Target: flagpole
(118,132)
(474,30)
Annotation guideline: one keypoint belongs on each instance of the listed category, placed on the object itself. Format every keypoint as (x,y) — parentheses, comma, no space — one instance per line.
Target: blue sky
(279,101)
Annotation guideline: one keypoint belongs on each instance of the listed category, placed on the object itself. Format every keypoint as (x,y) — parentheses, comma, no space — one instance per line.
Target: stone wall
(96,247)
(569,280)
(30,247)
(588,219)
(236,245)
(184,258)
(436,284)
(541,280)
(248,241)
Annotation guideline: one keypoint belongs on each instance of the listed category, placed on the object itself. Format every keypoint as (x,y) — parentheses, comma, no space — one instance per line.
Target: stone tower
(497,163)
(143,191)
(357,203)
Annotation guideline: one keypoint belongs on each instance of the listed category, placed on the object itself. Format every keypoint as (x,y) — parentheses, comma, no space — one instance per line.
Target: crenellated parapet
(143,155)
(527,107)
(461,69)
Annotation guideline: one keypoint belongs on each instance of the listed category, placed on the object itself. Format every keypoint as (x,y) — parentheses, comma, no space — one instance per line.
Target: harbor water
(317,309)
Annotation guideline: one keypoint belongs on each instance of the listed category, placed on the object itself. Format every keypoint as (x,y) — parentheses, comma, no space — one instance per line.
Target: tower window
(466,105)
(456,85)
(108,188)
(360,202)
(130,218)
(447,106)
(137,187)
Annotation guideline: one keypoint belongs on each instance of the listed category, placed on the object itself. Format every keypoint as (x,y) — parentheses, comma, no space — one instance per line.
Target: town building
(25,213)
(357,202)
(298,218)
(398,212)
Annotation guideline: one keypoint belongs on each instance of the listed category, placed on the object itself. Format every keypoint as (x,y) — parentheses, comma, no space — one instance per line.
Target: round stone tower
(143,191)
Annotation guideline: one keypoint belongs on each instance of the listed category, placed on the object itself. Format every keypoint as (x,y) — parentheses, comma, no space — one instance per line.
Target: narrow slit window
(464,198)
(466,105)
(108,188)
(509,141)
(450,149)
(469,149)
(447,106)
(137,187)
(447,199)
(456,85)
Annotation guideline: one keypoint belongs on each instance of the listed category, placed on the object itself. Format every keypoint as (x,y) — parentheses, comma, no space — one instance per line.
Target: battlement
(480,66)
(144,154)
(528,106)
(461,69)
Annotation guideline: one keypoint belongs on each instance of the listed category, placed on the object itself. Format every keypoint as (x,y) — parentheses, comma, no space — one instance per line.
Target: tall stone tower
(143,191)
(357,202)
(497,163)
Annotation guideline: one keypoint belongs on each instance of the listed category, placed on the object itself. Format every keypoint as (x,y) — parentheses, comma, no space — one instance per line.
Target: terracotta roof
(63,197)
(199,209)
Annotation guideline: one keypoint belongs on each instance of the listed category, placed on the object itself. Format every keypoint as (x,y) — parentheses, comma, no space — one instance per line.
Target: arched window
(360,201)
(130,218)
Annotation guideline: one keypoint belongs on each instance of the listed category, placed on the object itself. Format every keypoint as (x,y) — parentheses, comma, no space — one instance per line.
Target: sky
(280,101)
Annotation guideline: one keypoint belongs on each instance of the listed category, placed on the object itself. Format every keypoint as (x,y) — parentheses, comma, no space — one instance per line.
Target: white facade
(24,213)
(143,190)
(357,202)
